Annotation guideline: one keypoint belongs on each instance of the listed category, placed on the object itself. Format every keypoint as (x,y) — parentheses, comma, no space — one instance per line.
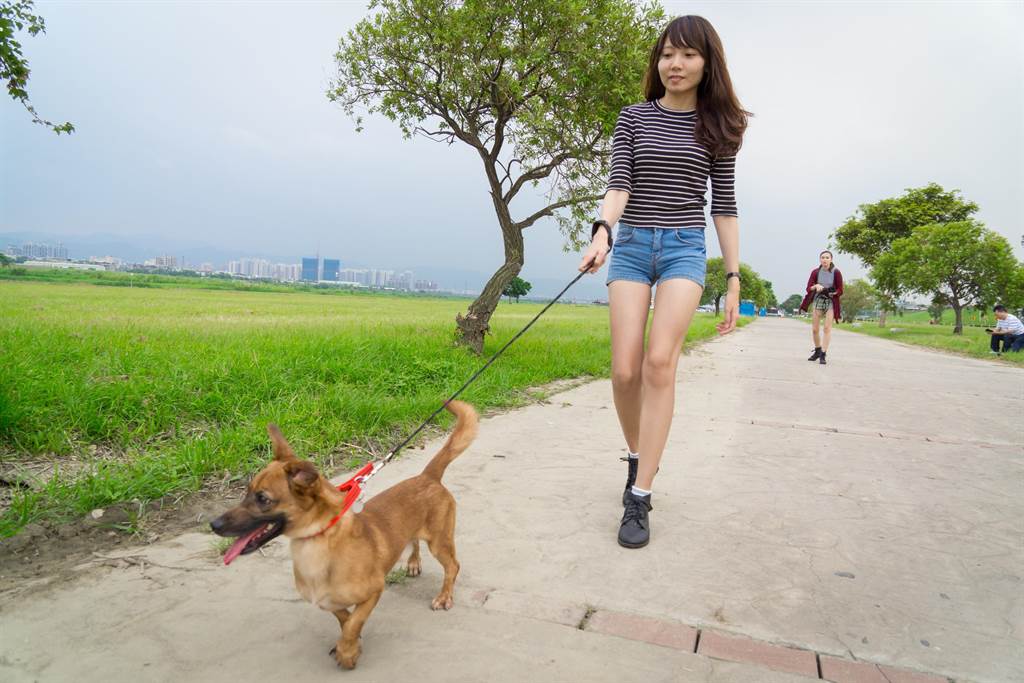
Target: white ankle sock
(637,491)
(632,455)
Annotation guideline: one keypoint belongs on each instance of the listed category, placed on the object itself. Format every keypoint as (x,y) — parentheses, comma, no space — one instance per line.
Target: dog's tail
(465,432)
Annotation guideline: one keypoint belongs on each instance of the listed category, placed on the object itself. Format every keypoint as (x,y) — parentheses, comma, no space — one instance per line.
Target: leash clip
(361,479)
(355,485)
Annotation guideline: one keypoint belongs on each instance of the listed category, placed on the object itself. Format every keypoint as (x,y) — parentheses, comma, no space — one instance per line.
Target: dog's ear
(302,475)
(282,451)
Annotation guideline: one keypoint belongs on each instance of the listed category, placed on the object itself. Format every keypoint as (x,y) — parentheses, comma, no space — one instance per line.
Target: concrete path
(854,522)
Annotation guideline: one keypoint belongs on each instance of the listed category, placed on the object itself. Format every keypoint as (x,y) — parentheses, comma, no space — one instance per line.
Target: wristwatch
(733,274)
(598,224)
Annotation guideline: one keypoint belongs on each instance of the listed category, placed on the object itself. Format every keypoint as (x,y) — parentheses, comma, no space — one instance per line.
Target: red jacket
(813,280)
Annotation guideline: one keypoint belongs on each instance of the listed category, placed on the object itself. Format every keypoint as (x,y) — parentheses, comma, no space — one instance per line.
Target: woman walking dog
(664,151)
(824,287)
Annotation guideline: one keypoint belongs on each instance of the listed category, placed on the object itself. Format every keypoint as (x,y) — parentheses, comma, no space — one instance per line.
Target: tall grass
(149,391)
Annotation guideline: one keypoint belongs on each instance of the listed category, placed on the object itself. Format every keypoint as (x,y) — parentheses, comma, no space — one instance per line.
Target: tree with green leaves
(769,294)
(533,87)
(714,283)
(858,296)
(752,286)
(517,288)
(961,263)
(870,233)
(1013,297)
(792,302)
(16,15)
(5,260)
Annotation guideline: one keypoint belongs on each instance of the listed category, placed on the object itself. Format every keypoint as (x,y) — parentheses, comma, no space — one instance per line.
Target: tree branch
(535,173)
(436,135)
(550,210)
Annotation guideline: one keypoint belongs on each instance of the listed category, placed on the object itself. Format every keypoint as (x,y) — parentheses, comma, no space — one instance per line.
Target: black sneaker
(630,476)
(818,353)
(821,359)
(635,530)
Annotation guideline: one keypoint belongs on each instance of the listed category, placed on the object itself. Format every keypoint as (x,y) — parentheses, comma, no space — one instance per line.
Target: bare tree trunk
(881,317)
(718,300)
(475,324)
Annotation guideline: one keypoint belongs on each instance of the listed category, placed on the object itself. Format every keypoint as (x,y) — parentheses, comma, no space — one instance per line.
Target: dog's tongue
(238,546)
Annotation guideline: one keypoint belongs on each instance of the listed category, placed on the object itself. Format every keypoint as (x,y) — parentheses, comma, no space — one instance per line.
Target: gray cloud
(208,122)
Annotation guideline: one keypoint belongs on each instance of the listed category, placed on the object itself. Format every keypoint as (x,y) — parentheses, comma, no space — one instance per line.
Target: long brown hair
(721,120)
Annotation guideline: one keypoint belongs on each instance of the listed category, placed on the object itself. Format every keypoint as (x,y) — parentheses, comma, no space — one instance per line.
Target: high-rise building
(331,269)
(321,269)
(403,280)
(286,272)
(163,262)
(39,250)
(310,269)
(350,275)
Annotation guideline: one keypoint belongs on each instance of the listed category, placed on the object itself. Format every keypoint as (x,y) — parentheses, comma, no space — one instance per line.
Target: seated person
(1009,330)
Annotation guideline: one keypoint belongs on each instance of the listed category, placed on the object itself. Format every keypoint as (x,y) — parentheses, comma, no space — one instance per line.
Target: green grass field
(134,393)
(971,318)
(911,330)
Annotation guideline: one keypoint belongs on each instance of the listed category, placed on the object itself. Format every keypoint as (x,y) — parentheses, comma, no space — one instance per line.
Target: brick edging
(705,642)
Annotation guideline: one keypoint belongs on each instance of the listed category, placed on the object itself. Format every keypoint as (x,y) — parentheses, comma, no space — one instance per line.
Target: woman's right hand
(595,256)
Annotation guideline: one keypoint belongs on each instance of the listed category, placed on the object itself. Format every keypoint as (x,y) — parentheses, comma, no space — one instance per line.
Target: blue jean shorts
(649,255)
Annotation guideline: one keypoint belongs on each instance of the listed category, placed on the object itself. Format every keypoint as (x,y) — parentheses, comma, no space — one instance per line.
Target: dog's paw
(413,568)
(442,602)
(346,657)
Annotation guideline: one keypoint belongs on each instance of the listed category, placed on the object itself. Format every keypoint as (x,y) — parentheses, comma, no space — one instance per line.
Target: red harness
(354,488)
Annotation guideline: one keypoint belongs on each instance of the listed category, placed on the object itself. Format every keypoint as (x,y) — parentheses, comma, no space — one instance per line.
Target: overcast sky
(208,123)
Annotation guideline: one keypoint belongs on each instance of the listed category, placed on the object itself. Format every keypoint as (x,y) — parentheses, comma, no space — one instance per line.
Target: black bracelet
(598,224)
(733,274)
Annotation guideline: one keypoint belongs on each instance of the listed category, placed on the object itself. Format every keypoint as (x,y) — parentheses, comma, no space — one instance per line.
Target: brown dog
(344,565)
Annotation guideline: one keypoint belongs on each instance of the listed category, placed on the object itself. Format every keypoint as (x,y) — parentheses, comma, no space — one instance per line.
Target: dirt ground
(48,551)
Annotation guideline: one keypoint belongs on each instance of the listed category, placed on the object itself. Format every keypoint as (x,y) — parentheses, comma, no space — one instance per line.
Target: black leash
(380,463)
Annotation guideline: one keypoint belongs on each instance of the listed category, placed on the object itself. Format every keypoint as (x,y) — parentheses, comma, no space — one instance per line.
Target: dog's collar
(353,488)
(334,520)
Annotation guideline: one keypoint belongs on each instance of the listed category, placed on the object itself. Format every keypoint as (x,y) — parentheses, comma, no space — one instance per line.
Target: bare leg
(829,318)
(348,649)
(629,304)
(815,323)
(676,303)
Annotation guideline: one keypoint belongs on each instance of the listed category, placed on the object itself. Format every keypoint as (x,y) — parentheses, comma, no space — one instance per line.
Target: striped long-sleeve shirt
(1011,324)
(665,170)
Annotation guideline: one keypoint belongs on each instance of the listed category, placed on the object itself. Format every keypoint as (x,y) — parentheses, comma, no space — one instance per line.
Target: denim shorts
(649,255)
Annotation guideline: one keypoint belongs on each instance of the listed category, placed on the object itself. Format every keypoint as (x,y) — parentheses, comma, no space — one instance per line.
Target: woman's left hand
(732,312)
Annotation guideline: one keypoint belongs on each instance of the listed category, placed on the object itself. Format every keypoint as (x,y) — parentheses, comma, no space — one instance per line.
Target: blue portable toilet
(762,312)
(747,308)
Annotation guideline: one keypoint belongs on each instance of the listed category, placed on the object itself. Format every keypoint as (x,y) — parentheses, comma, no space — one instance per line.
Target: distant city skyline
(317,269)
(113,250)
